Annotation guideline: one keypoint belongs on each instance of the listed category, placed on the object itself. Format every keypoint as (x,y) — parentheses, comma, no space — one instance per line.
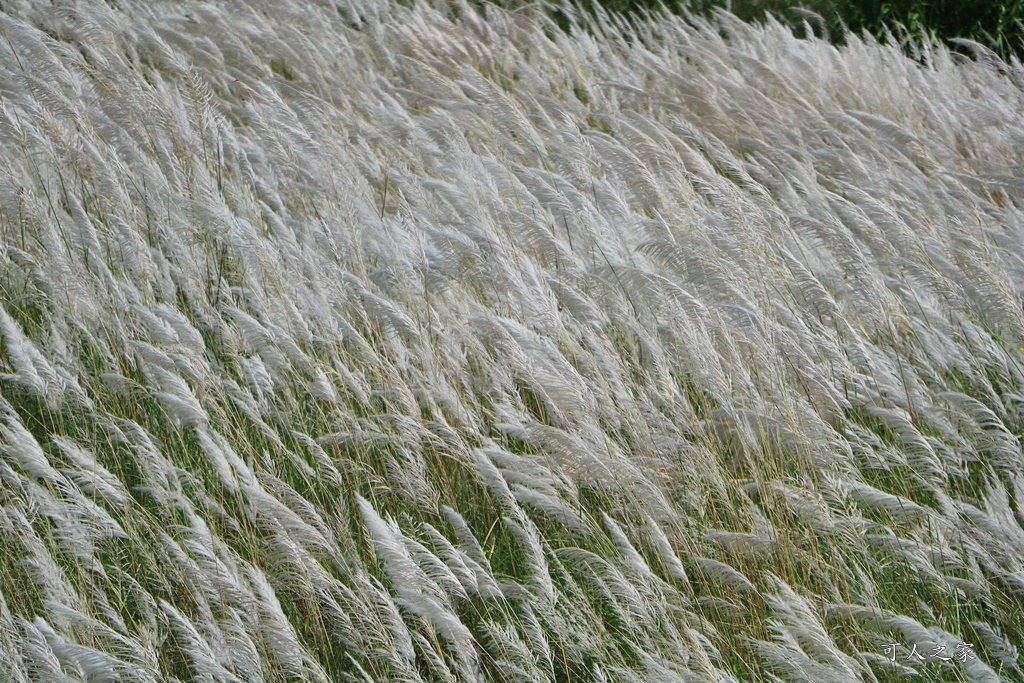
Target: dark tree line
(997,25)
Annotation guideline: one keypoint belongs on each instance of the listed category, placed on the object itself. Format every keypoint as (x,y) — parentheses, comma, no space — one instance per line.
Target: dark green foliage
(996,25)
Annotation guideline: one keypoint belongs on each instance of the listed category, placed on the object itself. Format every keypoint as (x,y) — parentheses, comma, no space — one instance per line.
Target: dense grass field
(363,341)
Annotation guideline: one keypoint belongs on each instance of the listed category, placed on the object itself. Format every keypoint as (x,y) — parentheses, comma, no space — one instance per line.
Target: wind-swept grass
(364,341)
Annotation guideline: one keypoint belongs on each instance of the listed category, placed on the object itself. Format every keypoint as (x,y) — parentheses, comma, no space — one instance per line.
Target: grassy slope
(369,343)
